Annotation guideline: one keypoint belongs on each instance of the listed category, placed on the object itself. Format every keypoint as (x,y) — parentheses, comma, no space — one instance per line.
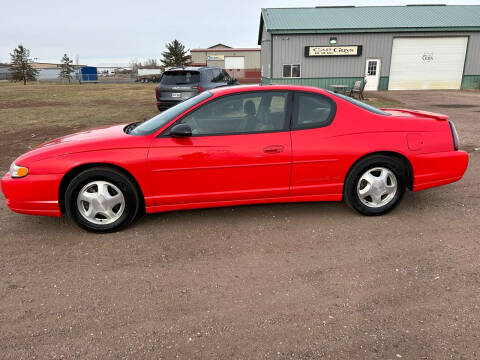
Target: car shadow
(243,217)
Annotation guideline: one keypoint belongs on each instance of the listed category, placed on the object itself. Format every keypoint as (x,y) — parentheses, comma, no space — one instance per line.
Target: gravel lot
(289,281)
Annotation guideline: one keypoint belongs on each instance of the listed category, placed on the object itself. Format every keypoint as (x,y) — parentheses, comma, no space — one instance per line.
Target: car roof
(243,88)
(192,68)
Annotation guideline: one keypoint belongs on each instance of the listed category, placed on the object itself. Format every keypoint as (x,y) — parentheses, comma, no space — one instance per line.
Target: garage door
(234,62)
(427,63)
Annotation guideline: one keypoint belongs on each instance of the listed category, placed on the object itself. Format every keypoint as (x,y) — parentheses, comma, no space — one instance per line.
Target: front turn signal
(18,171)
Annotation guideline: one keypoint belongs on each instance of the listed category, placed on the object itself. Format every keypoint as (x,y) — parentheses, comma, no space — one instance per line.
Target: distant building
(4,71)
(50,71)
(86,74)
(241,63)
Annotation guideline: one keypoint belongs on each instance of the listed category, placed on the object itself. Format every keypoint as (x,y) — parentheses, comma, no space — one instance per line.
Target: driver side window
(243,113)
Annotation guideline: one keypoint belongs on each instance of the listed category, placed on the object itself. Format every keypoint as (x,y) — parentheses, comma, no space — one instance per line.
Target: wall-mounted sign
(215,57)
(350,50)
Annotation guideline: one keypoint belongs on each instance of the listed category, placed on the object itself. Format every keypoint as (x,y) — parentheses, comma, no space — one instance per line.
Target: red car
(234,146)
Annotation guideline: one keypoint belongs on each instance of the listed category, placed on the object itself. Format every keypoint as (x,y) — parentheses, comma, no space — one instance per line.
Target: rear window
(180,77)
(358,103)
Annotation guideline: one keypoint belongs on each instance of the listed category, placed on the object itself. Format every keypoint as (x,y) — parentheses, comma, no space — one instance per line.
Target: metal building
(86,74)
(241,63)
(392,47)
(4,71)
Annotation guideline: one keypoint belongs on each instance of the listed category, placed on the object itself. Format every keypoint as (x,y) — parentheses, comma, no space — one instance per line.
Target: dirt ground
(288,281)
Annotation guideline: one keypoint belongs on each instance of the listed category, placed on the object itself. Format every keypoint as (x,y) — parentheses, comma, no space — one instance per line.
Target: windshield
(180,77)
(165,117)
(360,104)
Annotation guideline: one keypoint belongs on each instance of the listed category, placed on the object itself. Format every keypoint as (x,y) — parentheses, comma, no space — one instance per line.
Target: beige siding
(198,57)
(252,58)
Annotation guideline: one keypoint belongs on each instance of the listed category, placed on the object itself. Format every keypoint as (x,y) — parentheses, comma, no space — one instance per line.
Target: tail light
(156,93)
(198,88)
(454,135)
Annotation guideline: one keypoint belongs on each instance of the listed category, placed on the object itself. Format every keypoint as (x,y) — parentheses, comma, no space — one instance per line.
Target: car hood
(85,136)
(103,138)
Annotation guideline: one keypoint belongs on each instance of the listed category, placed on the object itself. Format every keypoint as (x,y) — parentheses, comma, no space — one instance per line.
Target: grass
(40,106)
(60,108)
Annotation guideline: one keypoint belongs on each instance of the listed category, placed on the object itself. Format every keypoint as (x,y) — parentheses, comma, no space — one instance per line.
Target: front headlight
(18,171)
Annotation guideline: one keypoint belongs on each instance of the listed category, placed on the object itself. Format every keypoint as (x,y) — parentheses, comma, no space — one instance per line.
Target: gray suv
(182,83)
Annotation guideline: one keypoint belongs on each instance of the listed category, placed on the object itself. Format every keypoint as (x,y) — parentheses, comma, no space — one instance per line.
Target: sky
(118,31)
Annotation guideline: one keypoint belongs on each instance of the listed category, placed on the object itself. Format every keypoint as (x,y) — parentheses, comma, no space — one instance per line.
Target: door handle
(273,149)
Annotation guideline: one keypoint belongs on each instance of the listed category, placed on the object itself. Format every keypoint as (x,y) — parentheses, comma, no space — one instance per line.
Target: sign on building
(351,50)
(215,57)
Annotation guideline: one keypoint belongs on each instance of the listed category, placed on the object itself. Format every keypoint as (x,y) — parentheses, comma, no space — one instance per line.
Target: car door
(315,159)
(240,149)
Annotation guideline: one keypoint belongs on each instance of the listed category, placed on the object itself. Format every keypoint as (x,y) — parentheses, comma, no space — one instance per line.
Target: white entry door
(372,74)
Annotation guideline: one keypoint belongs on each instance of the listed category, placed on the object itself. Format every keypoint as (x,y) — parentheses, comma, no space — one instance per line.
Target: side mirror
(181,130)
(233,81)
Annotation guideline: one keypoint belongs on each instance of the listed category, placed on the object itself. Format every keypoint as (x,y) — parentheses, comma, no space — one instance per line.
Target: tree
(176,55)
(135,64)
(67,68)
(20,67)
(151,63)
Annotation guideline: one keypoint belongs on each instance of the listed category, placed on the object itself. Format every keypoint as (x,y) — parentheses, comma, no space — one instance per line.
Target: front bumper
(33,194)
(431,170)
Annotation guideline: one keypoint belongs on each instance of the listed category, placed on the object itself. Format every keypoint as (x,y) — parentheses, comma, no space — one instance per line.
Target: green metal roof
(370,19)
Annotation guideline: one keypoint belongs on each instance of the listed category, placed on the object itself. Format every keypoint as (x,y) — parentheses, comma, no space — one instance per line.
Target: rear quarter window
(313,111)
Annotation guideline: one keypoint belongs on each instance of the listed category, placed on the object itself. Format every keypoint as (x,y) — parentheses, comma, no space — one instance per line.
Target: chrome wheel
(377,187)
(101,202)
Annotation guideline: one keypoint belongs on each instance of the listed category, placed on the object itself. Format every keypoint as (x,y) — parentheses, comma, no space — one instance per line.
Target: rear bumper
(167,104)
(431,170)
(33,194)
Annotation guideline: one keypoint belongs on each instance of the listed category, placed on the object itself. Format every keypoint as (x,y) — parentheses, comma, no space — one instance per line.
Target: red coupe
(234,146)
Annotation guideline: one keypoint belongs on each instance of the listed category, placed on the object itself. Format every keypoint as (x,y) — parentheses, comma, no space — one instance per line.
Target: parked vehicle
(284,144)
(180,84)
(148,75)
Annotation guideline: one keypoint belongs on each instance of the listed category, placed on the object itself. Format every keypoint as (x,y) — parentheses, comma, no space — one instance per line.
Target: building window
(372,68)
(291,71)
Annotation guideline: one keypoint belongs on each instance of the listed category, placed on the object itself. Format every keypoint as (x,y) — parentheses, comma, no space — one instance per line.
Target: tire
(375,185)
(110,195)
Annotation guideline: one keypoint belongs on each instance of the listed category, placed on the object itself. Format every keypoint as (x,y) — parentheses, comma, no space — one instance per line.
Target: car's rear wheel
(375,185)
(102,200)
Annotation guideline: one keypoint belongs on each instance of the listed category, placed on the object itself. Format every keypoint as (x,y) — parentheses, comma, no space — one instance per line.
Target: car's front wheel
(102,200)
(375,185)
